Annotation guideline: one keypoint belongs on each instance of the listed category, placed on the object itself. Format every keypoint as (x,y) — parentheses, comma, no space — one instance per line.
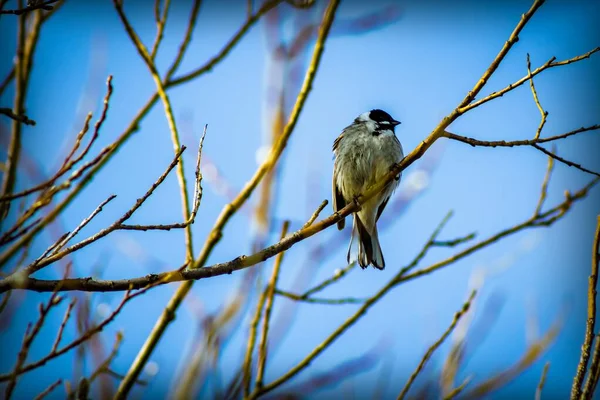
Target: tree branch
(590,384)
(231,208)
(435,345)
(537,101)
(270,289)
(17,117)
(528,142)
(36,5)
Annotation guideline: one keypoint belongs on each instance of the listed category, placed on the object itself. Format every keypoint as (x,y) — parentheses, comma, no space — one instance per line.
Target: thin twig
(315,214)
(549,64)
(45,197)
(85,336)
(160,88)
(185,42)
(457,390)
(197,200)
(266,7)
(513,38)
(48,390)
(14,146)
(61,329)
(540,220)
(37,5)
(435,345)
(17,117)
(62,243)
(30,269)
(262,346)
(544,191)
(7,79)
(540,386)
(30,335)
(532,354)
(316,300)
(247,366)
(69,161)
(17,231)
(60,172)
(160,25)
(513,143)
(565,161)
(588,389)
(104,366)
(338,274)
(537,100)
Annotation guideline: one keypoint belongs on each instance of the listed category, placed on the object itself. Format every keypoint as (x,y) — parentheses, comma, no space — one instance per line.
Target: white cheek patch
(386,133)
(371,125)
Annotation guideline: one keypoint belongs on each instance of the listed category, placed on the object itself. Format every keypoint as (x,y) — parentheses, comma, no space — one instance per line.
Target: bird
(363,153)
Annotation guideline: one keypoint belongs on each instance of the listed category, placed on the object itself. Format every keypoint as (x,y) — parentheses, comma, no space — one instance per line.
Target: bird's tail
(369,250)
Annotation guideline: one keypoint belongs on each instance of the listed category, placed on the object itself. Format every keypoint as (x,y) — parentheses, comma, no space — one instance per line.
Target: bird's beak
(394,122)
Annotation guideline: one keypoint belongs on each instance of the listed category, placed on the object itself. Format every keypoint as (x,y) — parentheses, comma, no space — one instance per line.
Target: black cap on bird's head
(382,118)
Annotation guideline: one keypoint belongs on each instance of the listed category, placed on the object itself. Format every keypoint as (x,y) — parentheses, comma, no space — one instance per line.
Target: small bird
(364,152)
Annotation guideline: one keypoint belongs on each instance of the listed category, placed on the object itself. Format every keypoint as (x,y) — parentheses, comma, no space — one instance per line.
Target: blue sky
(418,69)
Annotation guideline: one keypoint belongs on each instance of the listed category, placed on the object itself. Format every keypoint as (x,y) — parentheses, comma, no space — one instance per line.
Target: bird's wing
(381,208)
(337,198)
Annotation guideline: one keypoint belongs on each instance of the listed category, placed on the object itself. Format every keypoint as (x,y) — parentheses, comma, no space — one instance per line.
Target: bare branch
(513,38)
(544,191)
(62,325)
(565,161)
(30,335)
(544,219)
(197,200)
(17,231)
(266,7)
(262,346)
(161,90)
(17,117)
(186,41)
(549,64)
(247,366)
(458,390)
(537,100)
(315,214)
(35,5)
(532,142)
(160,25)
(48,390)
(62,242)
(7,79)
(60,172)
(105,365)
(110,151)
(590,384)
(338,274)
(85,336)
(30,269)
(316,300)
(230,208)
(533,353)
(540,386)
(242,262)
(435,345)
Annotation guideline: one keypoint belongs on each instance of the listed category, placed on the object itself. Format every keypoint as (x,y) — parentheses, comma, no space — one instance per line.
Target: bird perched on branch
(364,153)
